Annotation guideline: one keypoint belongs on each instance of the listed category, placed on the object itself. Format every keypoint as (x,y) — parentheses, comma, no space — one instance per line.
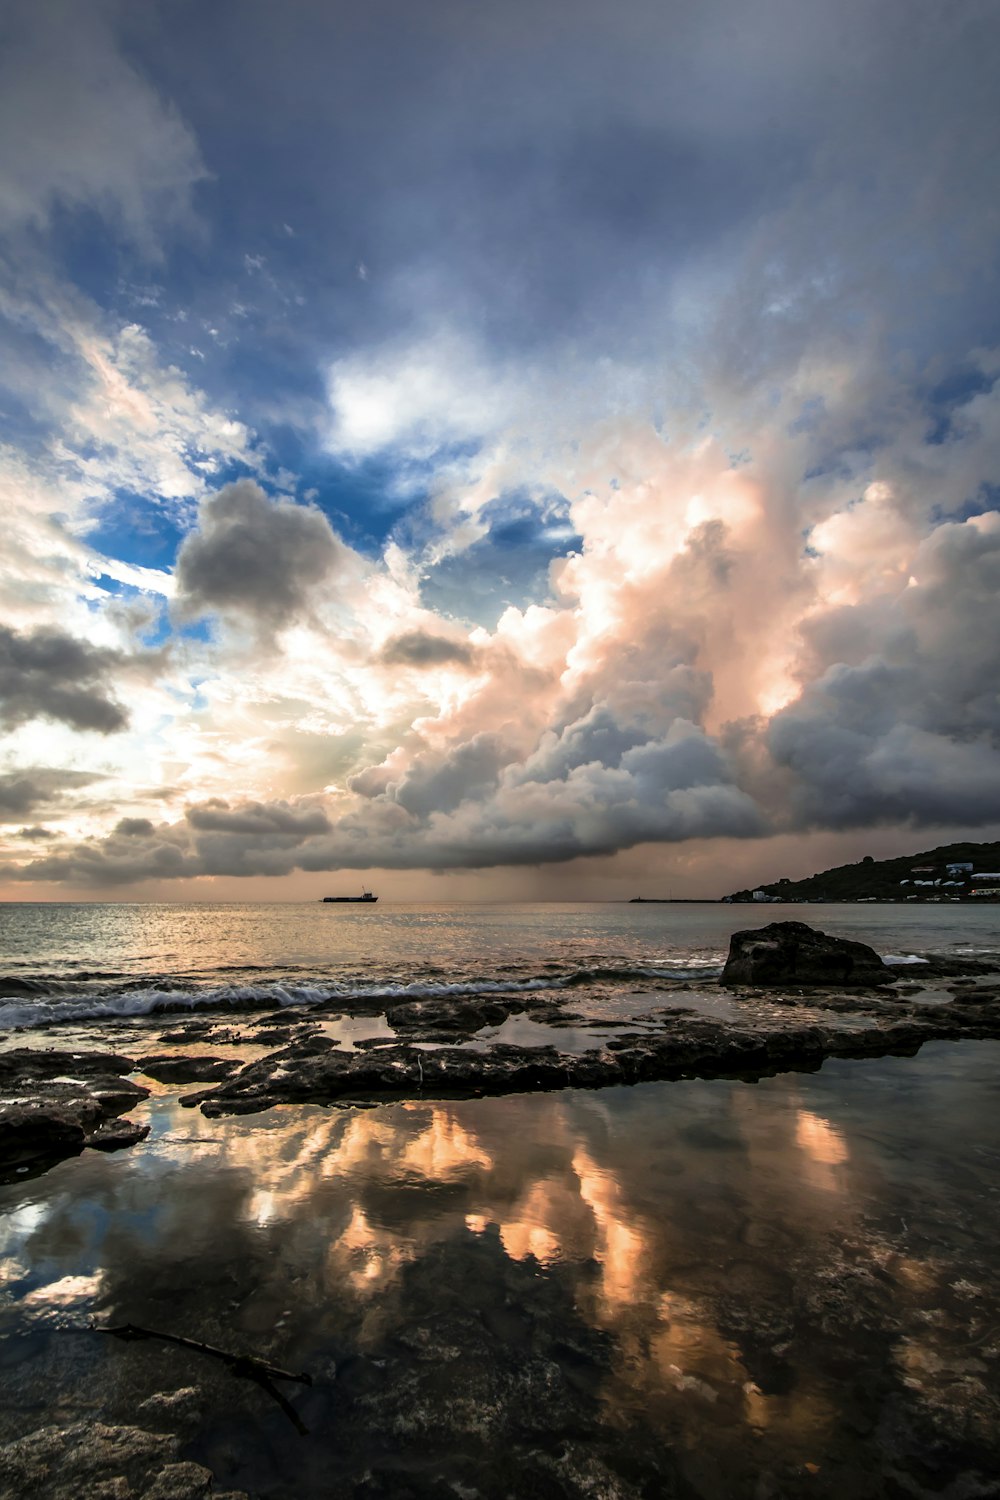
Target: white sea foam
(147,1002)
(903,958)
(126,1004)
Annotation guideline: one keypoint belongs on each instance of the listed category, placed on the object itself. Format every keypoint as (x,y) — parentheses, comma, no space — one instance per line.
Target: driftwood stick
(246,1366)
(266,1384)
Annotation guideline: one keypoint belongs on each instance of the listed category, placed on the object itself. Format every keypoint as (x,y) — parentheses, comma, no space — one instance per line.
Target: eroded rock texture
(795,953)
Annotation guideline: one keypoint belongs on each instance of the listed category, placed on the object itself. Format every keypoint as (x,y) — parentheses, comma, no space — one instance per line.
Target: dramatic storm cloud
(444,439)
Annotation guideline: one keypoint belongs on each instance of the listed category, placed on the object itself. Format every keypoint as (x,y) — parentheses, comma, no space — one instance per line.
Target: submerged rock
(90,1458)
(795,953)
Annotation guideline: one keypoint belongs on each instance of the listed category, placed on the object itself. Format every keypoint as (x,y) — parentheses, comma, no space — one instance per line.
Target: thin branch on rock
(246,1366)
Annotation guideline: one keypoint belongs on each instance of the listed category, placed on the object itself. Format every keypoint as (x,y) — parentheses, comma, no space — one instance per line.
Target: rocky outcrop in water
(686,1045)
(795,953)
(165,1067)
(54,1104)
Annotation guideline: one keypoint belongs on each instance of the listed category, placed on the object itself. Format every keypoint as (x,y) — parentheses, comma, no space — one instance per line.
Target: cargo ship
(365,896)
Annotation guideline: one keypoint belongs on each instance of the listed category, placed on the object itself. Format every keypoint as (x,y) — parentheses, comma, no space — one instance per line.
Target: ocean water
(708,1289)
(83,962)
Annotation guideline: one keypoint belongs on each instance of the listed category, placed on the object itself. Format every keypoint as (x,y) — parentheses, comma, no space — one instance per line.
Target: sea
(700,1288)
(82,962)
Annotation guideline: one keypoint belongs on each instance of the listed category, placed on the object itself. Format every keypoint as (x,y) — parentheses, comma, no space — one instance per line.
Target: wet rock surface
(434,1020)
(697,1307)
(115,1135)
(22,1064)
(795,953)
(53,1104)
(798,1036)
(167,1068)
(489,1393)
(93,1461)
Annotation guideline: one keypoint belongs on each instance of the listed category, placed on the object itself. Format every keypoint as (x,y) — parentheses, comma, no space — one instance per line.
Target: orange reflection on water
(536,1225)
(444,1149)
(368,1257)
(621,1244)
(823,1141)
(824,1147)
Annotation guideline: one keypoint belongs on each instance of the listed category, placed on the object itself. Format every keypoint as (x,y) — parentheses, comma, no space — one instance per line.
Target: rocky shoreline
(56,1103)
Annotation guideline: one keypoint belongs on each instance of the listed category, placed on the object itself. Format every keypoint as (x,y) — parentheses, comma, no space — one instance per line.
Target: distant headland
(952,872)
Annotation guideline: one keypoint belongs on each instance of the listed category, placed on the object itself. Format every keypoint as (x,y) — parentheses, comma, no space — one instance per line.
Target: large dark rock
(53,1104)
(795,953)
(50,1125)
(22,1064)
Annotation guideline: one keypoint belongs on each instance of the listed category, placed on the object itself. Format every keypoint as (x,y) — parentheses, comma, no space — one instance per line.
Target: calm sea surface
(701,1289)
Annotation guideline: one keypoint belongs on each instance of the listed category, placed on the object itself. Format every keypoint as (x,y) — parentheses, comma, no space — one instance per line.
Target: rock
(433,1020)
(171,1408)
(116,1095)
(183,1481)
(94,1460)
(113,1135)
(944,966)
(276,1035)
(794,953)
(687,1045)
(166,1068)
(43,1128)
(53,1103)
(22,1064)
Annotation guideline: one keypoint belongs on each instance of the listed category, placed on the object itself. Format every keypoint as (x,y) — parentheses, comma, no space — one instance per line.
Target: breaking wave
(28,1003)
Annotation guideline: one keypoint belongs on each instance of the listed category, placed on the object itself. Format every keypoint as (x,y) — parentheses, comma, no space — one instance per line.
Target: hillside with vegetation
(918,877)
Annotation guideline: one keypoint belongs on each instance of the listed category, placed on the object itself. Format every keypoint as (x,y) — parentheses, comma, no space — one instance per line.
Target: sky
(484,451)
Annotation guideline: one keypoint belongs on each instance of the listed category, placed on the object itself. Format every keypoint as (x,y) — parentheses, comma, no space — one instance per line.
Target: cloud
(34,787)
(280,820)
(440,783)
(255,557)
(419,397)
(466,811)
(80,127)
(46,674)
(899,717)
(417,648)
(690,454)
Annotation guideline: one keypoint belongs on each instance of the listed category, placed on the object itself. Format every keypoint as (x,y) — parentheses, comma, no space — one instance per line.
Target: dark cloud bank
(46,674)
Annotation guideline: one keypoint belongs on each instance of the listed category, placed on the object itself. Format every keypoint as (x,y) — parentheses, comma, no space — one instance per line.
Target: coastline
(715,1287)
(573,1223)
(57,1100)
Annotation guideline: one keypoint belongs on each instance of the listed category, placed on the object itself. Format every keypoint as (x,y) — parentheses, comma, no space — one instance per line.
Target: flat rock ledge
(54,1104)
(794,953)
(688,1046)
(165,1067)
